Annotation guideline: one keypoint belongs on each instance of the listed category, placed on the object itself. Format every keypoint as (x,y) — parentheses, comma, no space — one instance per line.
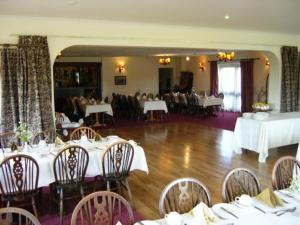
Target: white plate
(217,208)
(112,136)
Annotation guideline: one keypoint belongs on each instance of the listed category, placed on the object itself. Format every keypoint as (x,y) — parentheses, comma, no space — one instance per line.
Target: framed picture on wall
(120,80)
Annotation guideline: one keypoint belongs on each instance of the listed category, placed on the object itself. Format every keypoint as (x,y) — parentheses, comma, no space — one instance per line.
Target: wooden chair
(116,164)
(17,216)
(182,195)
(19,175)
(103,207)
(237,182)
(77,133)
(7,139)
(48,135)
(69,167)
(283,172)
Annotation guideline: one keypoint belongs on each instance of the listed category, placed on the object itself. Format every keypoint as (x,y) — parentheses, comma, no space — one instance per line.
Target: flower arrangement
(295,185)
(23,133)
(261,106)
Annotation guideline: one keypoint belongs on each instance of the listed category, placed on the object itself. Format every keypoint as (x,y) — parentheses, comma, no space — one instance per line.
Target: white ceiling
(112,51)
(264,15)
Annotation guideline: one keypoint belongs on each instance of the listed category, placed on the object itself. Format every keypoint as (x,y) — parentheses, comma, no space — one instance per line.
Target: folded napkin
(203,214)
(102,102)
(119,223)
(42,143)
(156,99)
(269,198)
(58,142)
(83,138)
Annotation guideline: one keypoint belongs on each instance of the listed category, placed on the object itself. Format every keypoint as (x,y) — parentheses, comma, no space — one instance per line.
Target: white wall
(63,33)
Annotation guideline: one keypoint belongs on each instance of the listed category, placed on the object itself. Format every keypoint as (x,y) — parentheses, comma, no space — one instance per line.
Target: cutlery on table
(288,195)
(229,212)
(217,215)
(287,210)
(259,209)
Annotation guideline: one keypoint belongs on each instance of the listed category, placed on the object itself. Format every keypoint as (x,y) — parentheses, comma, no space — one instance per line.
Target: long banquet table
(209,101)
(279,129)
(256,214)
(95,149)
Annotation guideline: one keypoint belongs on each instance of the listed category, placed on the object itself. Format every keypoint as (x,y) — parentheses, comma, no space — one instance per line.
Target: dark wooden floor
(175,150)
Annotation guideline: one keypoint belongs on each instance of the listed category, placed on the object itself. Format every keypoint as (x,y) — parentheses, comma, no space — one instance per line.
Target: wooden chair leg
(81,191)
(108,185)
(61,206)
(34,207)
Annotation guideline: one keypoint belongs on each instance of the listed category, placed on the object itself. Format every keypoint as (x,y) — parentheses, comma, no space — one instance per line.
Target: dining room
(122,119)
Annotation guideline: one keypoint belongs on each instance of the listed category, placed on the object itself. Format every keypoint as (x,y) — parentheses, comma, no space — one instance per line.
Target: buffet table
(279,129)
(44,155)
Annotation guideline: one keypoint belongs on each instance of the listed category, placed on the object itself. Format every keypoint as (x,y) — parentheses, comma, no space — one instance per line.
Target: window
(229,75)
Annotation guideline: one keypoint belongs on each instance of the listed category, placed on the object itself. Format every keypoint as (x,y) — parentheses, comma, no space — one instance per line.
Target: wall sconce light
(187,58)
(267,62)
(164,61)
(120,68)
(201,66)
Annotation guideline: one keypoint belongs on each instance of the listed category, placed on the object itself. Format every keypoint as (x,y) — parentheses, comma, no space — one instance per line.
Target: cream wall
(141,73)
(63,33)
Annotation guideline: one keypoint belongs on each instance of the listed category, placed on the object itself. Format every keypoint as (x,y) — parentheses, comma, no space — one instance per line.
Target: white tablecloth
(154,105)
(246,215)
(98,109)
(209,101)
(95,159)
(260,135)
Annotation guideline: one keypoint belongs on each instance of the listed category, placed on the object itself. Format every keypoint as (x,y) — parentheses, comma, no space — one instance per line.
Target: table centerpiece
(24,134)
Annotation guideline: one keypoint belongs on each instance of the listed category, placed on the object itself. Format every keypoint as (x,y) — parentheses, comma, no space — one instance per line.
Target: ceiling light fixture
(164,61)
(227,17)
(187,58)
(225,56)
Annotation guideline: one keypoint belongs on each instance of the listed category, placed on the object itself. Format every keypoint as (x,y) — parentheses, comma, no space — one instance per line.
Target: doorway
(165,75)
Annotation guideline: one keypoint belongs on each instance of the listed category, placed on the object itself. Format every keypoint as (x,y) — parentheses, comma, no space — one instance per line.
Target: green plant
(23,133)
(295,185)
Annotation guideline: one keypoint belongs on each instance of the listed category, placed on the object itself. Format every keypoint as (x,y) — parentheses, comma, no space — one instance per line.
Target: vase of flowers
(260,107)
(24,134)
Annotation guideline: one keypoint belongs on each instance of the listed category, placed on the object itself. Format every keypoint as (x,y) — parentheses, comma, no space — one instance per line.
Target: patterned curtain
(35,83)
(9,87)
(290,79)
(298,81)
(214,86)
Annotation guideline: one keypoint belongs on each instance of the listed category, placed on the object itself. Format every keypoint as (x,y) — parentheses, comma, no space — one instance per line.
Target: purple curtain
(214,78)
(247,85)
